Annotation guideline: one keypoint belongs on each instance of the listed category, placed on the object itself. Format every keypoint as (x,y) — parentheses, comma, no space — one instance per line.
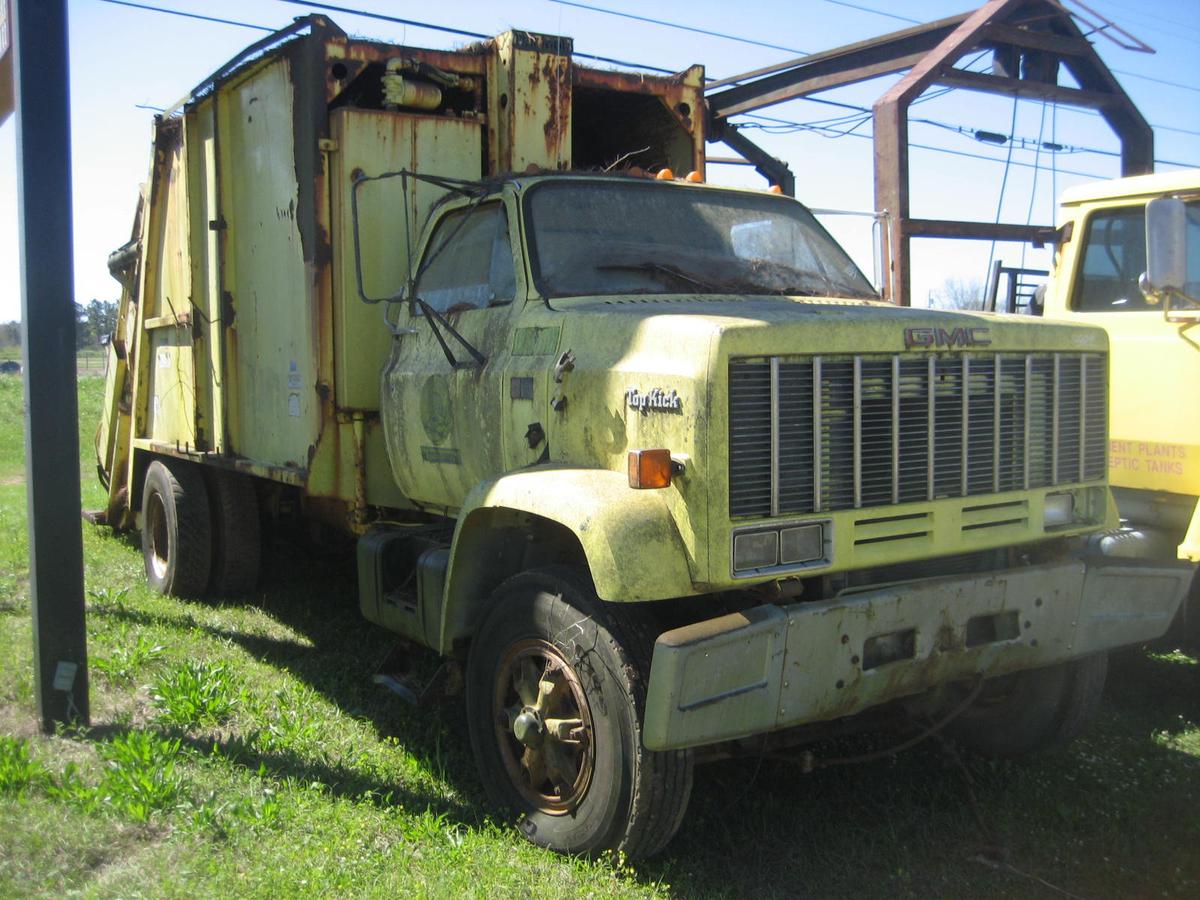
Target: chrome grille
(818,434)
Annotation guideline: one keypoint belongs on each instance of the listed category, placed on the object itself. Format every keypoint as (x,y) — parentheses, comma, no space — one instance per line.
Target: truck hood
(805,325)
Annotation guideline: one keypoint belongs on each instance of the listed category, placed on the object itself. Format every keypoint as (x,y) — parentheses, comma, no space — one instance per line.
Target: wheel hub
(543,726)
(529,729)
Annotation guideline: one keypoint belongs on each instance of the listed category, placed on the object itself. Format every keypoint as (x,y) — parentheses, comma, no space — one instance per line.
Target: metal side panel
(1130,603)
(168,317)
(372,142)
(271,343)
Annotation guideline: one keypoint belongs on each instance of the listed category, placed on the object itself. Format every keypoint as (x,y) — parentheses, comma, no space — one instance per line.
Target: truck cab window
(1114,256)
(468,262)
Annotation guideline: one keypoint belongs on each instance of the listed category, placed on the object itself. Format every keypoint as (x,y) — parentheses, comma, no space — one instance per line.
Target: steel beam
(1026,89)
(1030,40)
(998,231)
(775,170)
(48,345)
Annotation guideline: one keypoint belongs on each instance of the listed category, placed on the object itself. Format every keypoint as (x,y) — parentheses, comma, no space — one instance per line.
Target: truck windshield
(635,237)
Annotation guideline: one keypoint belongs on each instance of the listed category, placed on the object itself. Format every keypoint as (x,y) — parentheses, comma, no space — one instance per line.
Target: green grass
(241,750)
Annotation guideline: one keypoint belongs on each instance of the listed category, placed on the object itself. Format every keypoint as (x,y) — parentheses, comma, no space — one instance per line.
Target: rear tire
(176,529)
(236,535)
(1033,711)
(597,788)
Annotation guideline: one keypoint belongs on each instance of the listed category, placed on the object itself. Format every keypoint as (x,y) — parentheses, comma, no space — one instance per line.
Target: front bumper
(774,667)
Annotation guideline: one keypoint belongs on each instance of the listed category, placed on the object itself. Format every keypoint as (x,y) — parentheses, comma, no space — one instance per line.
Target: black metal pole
(48,344)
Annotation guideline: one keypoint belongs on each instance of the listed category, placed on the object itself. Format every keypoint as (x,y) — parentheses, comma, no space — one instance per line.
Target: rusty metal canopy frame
(1031,41)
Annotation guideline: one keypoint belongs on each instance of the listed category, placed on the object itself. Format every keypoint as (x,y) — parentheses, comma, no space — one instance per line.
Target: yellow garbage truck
(1128,261)
(645,457)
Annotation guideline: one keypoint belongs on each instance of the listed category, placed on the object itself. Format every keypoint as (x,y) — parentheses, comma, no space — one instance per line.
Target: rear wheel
(1033,711)
(176,529)
(236,534)
(555,701)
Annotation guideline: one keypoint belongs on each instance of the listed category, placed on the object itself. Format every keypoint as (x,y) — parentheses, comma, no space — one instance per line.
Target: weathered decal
(926,338)
(448,455)
(655,400)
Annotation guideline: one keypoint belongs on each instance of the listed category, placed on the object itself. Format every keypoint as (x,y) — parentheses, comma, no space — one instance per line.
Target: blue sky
(123,58)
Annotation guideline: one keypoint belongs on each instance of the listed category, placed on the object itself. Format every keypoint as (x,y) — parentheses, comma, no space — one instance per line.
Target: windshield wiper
(660,268)
(433,317)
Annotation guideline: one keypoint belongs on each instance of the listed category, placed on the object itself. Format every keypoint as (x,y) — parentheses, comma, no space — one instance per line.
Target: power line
(478,35)
(1186,87)
(1172,28)
(878,12)
(188,15)
(1195,26)
(784,126)
(717,34)
(459,31)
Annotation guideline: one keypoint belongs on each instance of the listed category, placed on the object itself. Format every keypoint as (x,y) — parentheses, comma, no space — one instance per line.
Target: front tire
(1033,711)
(556,684)
(176,529)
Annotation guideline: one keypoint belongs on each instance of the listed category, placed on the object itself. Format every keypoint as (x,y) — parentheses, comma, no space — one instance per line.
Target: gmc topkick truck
(644,455)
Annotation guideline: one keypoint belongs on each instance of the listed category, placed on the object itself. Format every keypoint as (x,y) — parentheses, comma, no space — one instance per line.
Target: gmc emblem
(940,337)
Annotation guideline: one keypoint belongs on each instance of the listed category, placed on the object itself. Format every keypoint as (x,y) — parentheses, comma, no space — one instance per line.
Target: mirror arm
(431,315)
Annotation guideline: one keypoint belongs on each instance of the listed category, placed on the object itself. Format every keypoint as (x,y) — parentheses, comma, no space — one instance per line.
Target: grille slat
(812,434)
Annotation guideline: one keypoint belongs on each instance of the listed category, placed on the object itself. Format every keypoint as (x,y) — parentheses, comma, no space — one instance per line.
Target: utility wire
(1175,84)
(694,30)
(1193,26)
(188,15)
(1004,183)
(782,123)
(459,31)
(1033,189)
(878,12)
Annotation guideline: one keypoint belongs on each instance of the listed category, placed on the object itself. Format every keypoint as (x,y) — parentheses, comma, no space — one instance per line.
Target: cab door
(443,411)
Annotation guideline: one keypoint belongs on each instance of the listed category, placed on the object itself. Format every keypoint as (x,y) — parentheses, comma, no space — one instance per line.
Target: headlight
(781,547)
(801,544)
(756,550)
(1058,510)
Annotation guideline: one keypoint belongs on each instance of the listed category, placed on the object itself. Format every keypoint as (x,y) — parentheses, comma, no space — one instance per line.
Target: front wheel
(556,685)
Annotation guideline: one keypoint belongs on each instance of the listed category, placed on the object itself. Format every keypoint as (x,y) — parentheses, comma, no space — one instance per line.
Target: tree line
(94,321)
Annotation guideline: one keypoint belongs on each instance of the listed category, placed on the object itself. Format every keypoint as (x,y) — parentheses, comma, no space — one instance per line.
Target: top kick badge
(656,400)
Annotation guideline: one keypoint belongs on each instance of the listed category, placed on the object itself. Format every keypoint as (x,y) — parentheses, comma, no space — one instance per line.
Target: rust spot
(323,252)
(557,72)
(947,639)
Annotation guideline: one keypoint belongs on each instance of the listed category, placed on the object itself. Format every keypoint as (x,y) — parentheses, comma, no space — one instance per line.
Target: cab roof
(1135,186)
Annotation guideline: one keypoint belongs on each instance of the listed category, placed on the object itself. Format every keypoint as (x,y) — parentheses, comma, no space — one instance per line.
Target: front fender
(628,537)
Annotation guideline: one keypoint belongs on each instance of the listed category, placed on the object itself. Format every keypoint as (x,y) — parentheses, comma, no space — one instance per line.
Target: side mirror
(1166,247)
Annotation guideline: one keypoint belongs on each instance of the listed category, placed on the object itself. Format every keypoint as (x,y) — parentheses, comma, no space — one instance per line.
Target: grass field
(241,750)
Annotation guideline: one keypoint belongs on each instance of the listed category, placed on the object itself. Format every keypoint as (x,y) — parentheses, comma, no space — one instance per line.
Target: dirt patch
(6,480)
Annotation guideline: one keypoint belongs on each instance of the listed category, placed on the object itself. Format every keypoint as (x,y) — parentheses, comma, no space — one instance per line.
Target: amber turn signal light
(650,469)
(694,177)
(665,175)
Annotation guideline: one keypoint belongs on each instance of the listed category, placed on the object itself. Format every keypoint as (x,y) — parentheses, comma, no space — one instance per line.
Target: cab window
(468,262)
(1114,258)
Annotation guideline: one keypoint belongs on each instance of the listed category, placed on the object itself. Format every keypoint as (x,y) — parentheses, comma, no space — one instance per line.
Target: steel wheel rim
(551,770)
(156,528)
